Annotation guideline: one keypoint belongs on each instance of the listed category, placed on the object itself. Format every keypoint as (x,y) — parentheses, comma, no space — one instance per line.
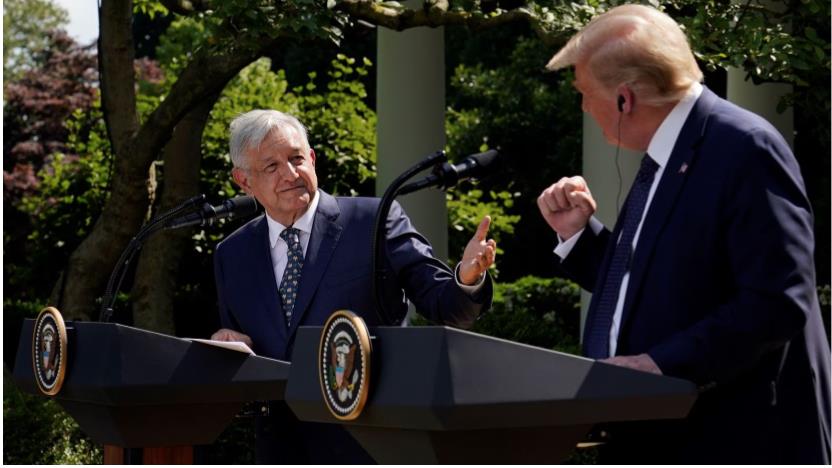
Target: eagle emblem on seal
(344,364)
(342,354)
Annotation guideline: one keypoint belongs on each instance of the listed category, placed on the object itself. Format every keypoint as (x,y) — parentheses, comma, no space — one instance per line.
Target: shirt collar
(663,141)
(303,224)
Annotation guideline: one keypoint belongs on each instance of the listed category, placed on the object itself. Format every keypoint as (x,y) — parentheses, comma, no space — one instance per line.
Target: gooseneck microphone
(201,213)
(444,175)
(234,208)
(447,175)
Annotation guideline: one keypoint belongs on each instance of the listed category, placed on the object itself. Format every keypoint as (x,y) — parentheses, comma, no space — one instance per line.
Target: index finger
(575,184)
(482,229)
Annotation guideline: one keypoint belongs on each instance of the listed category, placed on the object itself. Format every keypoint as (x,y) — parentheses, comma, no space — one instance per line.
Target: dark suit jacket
(336,275)
(722,292)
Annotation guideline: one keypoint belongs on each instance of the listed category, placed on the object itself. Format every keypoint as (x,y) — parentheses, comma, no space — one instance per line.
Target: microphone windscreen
(241,206)
(482,162)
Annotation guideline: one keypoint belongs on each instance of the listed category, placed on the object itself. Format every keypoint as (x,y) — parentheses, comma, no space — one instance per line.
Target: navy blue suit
(336,274)
(722,292)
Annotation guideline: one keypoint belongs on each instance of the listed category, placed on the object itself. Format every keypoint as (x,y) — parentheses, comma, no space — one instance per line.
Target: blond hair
(634,45)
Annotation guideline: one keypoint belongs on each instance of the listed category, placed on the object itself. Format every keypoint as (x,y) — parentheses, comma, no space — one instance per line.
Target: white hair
(250,129)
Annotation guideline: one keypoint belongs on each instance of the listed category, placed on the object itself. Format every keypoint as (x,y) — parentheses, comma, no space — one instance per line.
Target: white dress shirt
(660,148)
(280,249)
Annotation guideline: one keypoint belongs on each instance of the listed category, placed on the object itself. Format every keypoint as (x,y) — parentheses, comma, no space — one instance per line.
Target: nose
(288,171)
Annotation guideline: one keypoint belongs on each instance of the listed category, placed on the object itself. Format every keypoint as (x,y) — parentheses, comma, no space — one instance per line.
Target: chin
(298,201)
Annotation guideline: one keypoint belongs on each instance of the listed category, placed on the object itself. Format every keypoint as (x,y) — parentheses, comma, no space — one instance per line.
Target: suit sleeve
(428,282)
(226,318)
(767,228)
(583,263)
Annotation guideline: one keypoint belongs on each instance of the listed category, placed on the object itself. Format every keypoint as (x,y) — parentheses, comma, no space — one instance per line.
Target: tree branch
(115,58)
(206,75)
(436,14)
(135,149)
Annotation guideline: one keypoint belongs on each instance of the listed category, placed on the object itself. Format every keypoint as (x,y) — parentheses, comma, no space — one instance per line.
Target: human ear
(241,179)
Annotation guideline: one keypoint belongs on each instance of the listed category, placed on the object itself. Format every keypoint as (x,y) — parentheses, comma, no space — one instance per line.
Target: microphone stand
(133,247)
(379,228)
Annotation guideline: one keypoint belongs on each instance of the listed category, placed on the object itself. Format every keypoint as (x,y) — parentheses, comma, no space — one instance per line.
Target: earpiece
(621,102)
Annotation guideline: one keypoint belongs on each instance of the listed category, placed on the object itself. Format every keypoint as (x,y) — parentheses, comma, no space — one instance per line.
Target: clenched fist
(567,205)
(479,254)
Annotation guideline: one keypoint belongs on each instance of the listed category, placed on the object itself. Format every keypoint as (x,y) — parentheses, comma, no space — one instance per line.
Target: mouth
(290,189)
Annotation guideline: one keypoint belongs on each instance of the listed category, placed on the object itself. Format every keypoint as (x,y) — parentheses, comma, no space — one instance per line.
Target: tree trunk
(155,283)
(135,148)
(91,263)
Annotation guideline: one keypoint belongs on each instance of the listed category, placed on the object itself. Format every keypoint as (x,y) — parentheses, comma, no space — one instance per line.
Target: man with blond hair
(708,274)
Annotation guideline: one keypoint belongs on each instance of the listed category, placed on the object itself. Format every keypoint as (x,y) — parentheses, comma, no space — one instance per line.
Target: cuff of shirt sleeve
(565,246)
(471,289)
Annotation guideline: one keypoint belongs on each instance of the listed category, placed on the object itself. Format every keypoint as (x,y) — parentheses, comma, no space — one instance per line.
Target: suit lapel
(261,261)
(322,241)
(679,165)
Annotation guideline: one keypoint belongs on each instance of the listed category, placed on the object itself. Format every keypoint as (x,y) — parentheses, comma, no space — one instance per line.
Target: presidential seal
(49,351)
(344,364)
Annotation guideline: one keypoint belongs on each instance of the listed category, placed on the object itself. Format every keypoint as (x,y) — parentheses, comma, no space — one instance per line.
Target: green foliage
(151,8)
(499,98)
(466,210)
(256,87)
(823,296)
(756,36)
(341,131)
(506,102)
(775,42)
(25,27)
(14,312)
(246,23)
(37,431)
(69,200)
(177,45)
(342,127)
(542,312)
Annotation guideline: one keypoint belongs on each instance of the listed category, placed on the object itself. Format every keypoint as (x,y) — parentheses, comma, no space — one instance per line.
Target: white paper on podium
(238,346)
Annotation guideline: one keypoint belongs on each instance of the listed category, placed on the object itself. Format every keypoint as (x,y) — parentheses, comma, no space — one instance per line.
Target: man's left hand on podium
(225,334)
(642,362)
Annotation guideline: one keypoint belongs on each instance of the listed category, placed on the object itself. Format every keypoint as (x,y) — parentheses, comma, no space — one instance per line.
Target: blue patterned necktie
(291,275)
(597,333)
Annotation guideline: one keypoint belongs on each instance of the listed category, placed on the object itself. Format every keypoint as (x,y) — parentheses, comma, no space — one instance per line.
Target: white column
(411,120)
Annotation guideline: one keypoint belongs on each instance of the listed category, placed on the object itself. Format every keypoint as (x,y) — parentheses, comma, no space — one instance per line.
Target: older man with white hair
(310,255)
